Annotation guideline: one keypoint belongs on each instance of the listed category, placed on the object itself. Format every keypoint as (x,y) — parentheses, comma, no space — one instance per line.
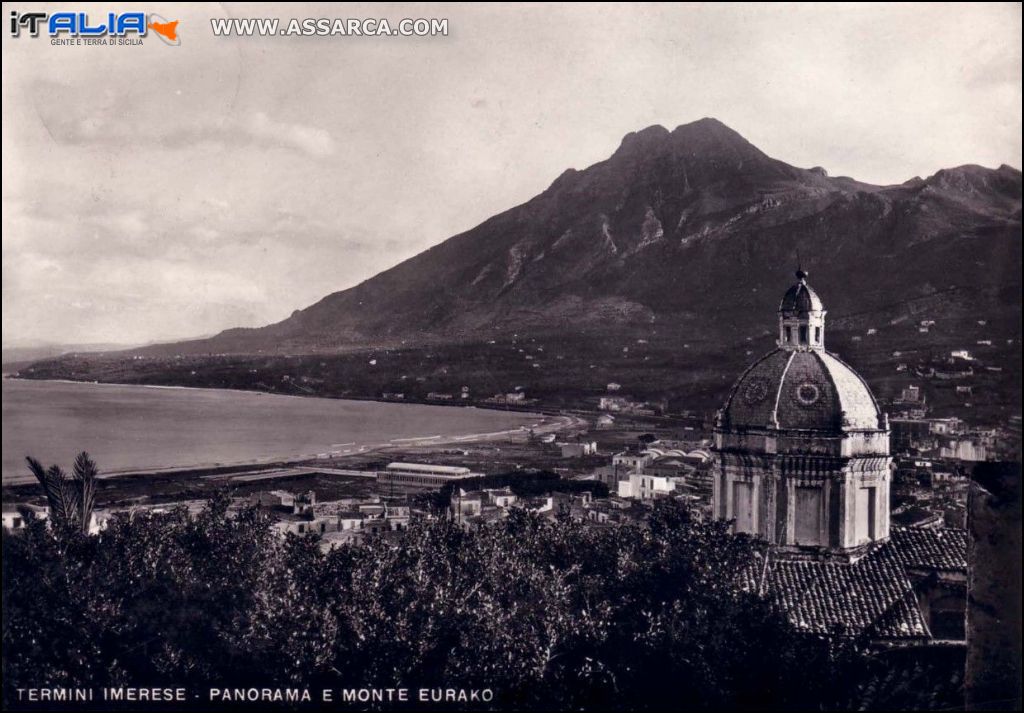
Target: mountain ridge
(670,222)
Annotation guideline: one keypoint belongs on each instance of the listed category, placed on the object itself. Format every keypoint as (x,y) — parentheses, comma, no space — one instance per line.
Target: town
(802,455)
(522,358)
(626,457)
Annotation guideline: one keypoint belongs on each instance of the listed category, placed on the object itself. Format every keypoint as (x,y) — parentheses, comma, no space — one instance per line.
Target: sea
(132,428)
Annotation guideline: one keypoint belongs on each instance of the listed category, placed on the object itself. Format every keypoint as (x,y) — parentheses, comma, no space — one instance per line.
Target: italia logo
(79,24)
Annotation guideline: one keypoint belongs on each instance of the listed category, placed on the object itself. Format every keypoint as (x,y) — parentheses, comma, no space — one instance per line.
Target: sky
(154,192)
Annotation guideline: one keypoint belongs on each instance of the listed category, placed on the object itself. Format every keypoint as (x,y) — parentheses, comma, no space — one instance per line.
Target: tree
(551,614)
(71,500)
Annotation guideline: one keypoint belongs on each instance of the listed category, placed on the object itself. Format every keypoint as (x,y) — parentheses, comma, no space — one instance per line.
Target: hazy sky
(156,192)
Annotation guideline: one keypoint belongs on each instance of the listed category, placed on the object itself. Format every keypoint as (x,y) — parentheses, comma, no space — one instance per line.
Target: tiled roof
(856,400)
(809,389)
(925,548)
(871,597)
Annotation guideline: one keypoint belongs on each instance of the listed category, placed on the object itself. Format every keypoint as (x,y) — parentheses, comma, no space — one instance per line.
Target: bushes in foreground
(551,615)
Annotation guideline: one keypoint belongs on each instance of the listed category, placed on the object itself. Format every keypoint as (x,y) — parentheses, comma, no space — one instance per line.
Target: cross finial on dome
(801,274)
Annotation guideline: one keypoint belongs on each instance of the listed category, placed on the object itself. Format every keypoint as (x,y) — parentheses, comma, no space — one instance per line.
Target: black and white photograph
(515,356)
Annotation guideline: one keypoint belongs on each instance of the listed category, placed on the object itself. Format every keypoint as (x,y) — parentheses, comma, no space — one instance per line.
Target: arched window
(803,334)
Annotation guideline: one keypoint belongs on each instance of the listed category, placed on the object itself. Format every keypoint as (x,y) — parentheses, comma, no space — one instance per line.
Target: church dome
(803,390)
(800,298)
(801,448)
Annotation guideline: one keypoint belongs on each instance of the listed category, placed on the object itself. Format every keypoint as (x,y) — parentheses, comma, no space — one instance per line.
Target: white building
(578,450)
(630,461)
(14,515)
(945,426)
(964,449)
(501,497)
(422,475)
(643,486)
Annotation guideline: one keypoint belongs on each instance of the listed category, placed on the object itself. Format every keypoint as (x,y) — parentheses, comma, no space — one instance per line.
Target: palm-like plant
(85,472)
(71,500)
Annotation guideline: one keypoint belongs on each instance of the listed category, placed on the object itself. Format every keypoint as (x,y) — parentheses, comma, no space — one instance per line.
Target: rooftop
(872,596)
(808,390)
(427,468)
(925,548)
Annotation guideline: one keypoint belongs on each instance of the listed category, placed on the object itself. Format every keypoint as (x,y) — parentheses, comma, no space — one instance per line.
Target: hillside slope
(694,229)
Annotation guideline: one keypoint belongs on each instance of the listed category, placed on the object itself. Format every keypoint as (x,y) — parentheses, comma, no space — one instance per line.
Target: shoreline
(489,407)
(542,423)
(335,474)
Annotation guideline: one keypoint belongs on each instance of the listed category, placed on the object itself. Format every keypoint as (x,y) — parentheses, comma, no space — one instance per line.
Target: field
(684,373)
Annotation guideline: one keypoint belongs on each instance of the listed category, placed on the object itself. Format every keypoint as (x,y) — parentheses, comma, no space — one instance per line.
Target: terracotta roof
(925,548)
(872,597)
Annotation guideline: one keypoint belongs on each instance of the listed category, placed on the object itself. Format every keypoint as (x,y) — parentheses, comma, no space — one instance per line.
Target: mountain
(24,354)
(660,269)
(695,230)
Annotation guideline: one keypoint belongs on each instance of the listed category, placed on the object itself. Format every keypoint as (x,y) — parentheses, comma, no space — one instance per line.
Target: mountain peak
(708,138)
(666,226)
(645,138)
(971,179)
(707,123)
(711,135)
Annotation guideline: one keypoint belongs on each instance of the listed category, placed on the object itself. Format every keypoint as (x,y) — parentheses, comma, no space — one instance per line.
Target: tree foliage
(548,614)
(70,500)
